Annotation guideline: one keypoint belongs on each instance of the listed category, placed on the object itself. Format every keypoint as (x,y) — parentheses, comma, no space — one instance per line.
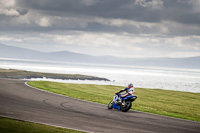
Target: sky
(122,28)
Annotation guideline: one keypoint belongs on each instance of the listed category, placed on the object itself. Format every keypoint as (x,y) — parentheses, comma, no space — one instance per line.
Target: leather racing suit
(129,91)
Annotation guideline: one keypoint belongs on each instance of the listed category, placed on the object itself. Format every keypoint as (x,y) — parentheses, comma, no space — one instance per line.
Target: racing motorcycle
(124,104)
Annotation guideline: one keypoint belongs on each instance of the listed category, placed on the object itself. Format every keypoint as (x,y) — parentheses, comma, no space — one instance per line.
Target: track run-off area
(19,101)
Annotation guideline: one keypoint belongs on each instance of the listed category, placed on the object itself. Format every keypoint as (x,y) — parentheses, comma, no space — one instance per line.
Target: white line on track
(62,95)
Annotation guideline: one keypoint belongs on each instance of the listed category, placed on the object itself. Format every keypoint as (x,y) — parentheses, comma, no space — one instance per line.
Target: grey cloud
(81,15)
(155,26)
(102,8)
(173,10)
(22,11)
(181,12)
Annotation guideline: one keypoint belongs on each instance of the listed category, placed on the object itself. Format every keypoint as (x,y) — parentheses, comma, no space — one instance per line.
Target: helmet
(130,85)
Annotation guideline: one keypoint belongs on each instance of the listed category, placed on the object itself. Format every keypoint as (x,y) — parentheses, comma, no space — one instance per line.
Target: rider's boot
(120,100)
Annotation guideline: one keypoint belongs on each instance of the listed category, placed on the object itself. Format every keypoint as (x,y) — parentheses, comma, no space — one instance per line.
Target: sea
(187,80)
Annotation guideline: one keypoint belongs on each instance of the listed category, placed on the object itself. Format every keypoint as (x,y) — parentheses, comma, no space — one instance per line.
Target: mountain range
(66,56)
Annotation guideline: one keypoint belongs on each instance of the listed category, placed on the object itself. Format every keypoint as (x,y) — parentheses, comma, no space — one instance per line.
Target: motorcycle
(124,104)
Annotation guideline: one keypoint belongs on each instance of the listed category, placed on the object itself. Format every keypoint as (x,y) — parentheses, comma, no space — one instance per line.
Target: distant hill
(19,53)
(66,56)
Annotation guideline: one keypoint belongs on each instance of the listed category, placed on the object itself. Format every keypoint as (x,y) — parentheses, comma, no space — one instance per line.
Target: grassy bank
(169,103)
(15,126)
(21,74)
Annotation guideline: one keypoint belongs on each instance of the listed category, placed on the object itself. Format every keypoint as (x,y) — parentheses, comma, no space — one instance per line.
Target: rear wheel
(126,106)
(110,105)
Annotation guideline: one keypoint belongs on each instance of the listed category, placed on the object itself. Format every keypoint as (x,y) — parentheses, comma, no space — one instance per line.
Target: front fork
(115,98)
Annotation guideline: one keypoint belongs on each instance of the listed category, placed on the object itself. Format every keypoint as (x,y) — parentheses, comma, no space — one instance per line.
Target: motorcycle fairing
(115,106)
(132,97)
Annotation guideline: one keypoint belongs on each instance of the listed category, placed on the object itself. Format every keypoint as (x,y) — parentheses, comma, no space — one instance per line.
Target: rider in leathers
(129,91)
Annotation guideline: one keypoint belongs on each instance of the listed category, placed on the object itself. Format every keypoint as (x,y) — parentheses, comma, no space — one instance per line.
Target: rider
(129,91)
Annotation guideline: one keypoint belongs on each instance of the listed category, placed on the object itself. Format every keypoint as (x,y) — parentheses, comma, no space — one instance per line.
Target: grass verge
(177,104)
(16,126)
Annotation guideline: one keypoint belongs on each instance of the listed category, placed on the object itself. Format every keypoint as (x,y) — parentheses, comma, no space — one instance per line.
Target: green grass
(164,102)
(16,126)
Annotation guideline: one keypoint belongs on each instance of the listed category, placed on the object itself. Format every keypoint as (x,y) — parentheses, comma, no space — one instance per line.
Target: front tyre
(110,105)
(126,106)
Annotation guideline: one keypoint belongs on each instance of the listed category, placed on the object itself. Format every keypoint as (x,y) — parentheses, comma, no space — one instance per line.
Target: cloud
(134,16)
(8,39)
(7,3)
(126,40)
(118,44)
(9,12)
(154,27)
(90,2)
(7,7)
(189,42)
(193,3)
(82,14)
(137,10)
(154,4)
(44,22)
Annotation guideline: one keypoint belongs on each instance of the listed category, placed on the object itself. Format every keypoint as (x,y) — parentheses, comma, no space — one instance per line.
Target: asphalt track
(21,102)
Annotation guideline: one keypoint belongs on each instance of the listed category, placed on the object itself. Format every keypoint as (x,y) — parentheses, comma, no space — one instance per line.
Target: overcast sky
(123,28)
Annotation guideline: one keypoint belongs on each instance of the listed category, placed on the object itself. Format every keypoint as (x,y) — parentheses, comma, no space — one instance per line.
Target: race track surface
(21,102)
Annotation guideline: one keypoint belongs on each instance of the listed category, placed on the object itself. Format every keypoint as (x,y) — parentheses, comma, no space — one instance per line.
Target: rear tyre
(126,107)
(110,105)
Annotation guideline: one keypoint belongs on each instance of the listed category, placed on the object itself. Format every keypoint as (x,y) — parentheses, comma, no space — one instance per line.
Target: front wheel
(126,106)
(110,105)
